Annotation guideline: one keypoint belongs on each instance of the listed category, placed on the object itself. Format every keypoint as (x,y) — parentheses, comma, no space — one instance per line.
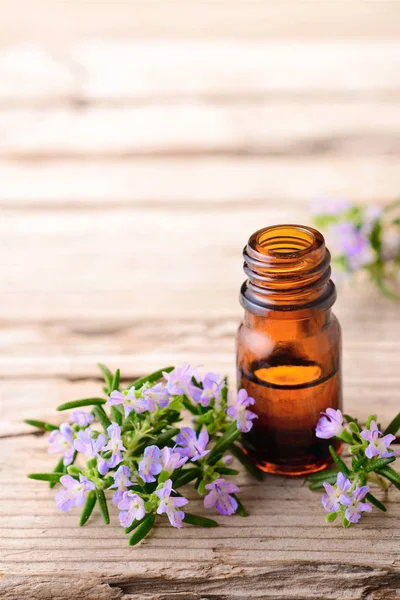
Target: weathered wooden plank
(262,128)
(284,534)
(207,183)
(56,20)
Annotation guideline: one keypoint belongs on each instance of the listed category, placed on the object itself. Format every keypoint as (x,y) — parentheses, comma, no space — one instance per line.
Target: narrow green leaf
(115,381)
(153,377)
(376,502)
(241,511)
(345,522)
(331,517)
(83,402)
(101,416)
(108,376)
(101,498)
(391,474)
(59,468)
(184,477)
(318,485)
(135,524)
(193,408)
(368,421)
(227,471)
(322,475)
(41,425)
(393,426)
(199,521)
(116,415)
(230,435)
(338,461)
(53,477)
(88,507)
(166,436)
(142,530)
(354,427)
(377,464)
(350,419)
(246,461)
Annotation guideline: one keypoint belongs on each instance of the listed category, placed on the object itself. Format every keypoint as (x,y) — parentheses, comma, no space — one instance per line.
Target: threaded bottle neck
(288,269)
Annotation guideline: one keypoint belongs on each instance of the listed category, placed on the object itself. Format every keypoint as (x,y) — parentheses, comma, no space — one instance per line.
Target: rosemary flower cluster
(131,444)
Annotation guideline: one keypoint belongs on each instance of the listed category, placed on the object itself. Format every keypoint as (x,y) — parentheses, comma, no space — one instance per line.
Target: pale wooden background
(141,142)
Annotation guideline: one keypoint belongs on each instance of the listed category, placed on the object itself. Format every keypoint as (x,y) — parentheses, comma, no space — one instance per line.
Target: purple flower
(156,396)
(179,381)
(219,496)
(62,440)
(150,466)
(211,389)
(171,460)
(238,410)
(354,505)
(132,507)
(121,482)
(193,447)
(378,446)
(115,444)
(330,501)
(128,400)
(74,492)
(82,418)
(87,444)
(330,425)
(347,240)
(171,505)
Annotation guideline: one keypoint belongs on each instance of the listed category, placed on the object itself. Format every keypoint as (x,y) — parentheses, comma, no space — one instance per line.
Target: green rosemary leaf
(354,428)
(319,484)
(194,409)
(53,477)
(377,464)
(59,468)
(41,425)
(376,502)
(350,419)
(108,376)
(116,415)
(331,517)
(393,426)
(115,381)
(241,511)
(244,459)
(368,421)
(184,477)
(134,525)
(83,402)
(142,529)
(199,521)
(88,507)
(227,471)
(322,475)
(338,461)
(152,378)
(390,474)
(101,416)
(101,498)
(166,436)
(230,435)
(345,522)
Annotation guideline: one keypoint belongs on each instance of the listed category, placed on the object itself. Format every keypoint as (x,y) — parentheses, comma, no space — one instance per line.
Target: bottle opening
(284,241)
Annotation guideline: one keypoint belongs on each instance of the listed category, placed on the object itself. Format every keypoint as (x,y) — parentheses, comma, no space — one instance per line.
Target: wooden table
(136,157)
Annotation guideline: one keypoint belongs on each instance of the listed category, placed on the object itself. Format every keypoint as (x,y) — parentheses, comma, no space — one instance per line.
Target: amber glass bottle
(288,347)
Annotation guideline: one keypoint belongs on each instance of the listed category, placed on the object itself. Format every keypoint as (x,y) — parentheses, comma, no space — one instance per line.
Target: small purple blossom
(347,240)
(330,425)
(219,496)
(331,501)
(378,446)
(179,381)
(115,444)
(62,440)
(150,466)
(171,460)
(211,389)
(354,505)
(132,507)
(170,505)
(156,396)
(128,400)
(238,410)
(74,492)
(82,418)
(121,482)
(88,444)
(193,447)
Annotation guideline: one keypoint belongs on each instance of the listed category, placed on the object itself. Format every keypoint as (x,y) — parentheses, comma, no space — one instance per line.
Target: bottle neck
(288,270)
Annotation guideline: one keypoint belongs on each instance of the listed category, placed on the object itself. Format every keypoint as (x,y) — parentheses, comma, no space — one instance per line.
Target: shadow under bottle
(289,348)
